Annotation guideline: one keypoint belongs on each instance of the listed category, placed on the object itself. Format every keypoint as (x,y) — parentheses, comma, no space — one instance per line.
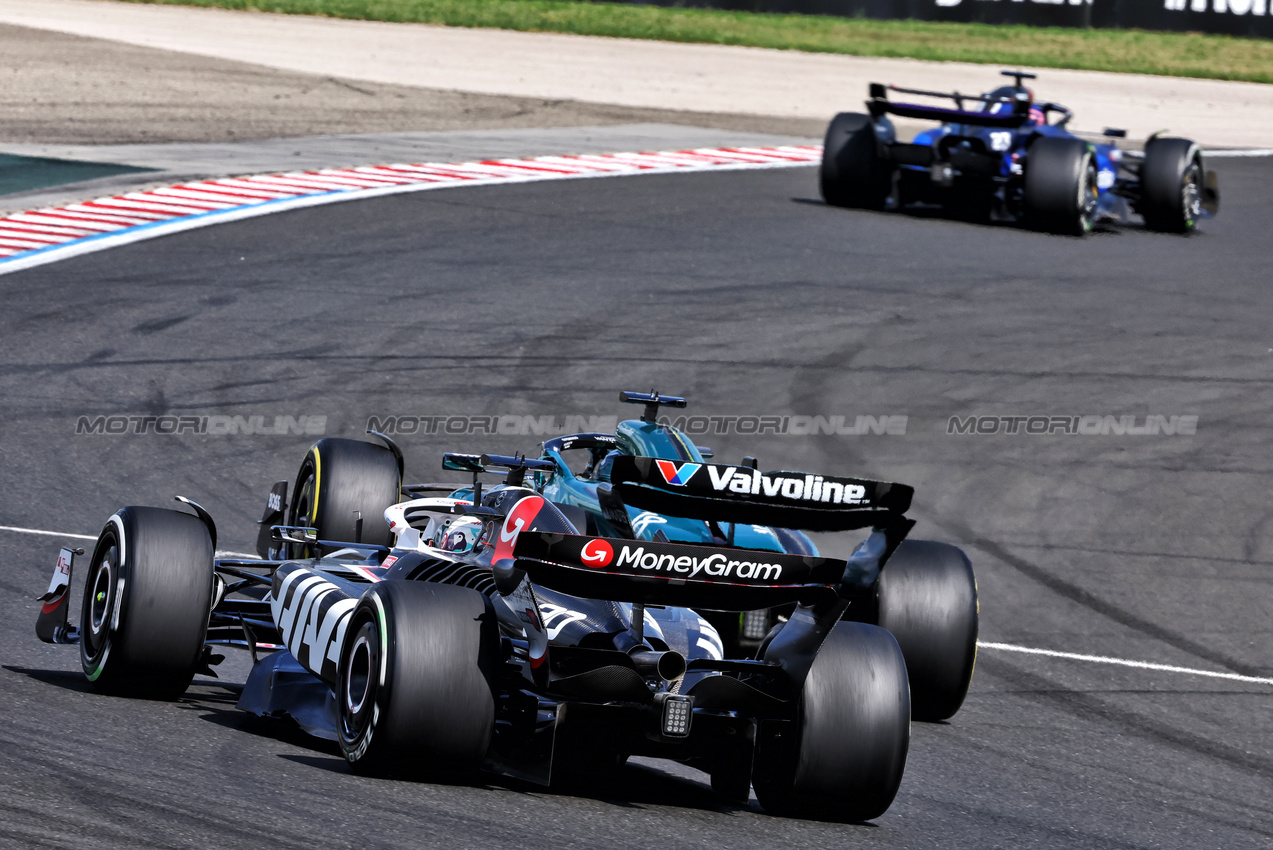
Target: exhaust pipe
(664,665)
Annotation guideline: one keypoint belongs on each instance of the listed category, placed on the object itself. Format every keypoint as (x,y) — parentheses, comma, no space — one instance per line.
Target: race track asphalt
(745,293)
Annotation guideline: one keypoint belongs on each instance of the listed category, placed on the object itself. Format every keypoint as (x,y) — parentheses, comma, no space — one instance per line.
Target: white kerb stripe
(135,216)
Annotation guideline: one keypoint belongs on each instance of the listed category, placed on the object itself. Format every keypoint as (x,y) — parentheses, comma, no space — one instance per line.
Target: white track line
(1251,152)
(1141,665)
(220,553)
(17,530)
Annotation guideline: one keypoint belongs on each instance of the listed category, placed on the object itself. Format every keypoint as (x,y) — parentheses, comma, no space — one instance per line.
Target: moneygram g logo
(596,554)
(519,519)
(677,475)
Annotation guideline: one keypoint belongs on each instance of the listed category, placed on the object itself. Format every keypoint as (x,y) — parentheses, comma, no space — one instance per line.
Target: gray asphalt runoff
(745,293)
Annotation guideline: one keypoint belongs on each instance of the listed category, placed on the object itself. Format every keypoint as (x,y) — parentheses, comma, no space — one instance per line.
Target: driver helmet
(606,465)
(1022,93)
(462,535)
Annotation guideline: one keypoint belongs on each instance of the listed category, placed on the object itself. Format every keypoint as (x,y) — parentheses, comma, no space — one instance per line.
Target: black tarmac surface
(745,293)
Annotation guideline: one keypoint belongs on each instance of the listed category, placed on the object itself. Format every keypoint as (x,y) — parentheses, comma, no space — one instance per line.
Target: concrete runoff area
(184,117)
(642,74)
(60,89)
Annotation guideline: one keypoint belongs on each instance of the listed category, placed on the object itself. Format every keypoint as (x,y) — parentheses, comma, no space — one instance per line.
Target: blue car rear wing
(880,105)
(741,494)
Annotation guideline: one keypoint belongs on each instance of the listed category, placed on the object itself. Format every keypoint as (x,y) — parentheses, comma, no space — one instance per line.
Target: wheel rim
(358,676)
(303,507)
(98,610)
(1089,194)
(1191,195)
(359,689)
(102,592)
(304,498)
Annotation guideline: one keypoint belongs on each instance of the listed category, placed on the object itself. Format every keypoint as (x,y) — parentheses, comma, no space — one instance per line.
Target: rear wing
(741,494)
(674,573)
(880,105)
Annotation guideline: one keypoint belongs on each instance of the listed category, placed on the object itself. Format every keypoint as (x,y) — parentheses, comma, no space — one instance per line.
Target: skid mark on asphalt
(1090,600)
(1087,707)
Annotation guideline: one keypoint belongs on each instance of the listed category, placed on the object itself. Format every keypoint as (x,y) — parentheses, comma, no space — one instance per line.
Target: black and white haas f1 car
(459,635)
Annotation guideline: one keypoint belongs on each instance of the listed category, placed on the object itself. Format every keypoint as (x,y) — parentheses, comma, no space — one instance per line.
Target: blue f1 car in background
(1002,156)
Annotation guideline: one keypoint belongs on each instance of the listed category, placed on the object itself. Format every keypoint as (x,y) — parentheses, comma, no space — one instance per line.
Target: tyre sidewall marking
(366,734)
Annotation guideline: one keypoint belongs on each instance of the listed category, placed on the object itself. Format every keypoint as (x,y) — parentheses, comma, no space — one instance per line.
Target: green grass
(1131,51)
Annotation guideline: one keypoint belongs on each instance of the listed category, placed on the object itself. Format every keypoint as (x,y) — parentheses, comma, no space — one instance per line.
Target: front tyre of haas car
(342,489)
(146,603)
(853,174)
(843,755)
(414,695)
(1060,186)
(927,598)
(1171,185)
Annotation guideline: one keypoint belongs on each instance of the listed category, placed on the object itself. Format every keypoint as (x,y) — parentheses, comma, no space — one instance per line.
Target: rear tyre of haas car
(414,697)
(1171,185)
(927,598)
(146,603)
(1060,186)
(852,172)
(843,755)
(342,489)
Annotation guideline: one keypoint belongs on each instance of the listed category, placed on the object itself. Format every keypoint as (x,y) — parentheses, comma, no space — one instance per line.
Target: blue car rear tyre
(1171,183)
(1060,185)
(853,174)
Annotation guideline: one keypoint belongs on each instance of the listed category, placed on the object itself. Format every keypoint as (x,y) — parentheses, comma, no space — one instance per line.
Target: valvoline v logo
(596,554)
(677,475)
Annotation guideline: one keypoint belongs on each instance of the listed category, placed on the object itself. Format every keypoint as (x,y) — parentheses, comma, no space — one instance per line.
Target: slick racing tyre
(413,696)
(146,603)
(927,598)
(1171,185)
(843,755)
(852,172)
(1060,186)
(342,489)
